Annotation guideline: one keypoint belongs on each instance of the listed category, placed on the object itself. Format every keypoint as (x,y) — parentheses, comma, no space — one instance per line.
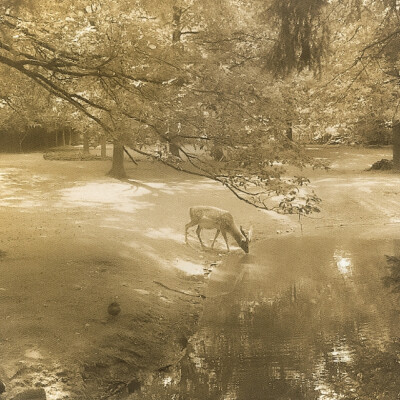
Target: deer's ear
(250,234)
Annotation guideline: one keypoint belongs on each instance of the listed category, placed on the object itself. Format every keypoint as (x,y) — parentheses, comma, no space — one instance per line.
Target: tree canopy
(219,82)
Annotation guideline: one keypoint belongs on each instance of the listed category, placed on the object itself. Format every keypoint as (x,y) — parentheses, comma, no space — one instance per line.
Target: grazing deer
(215,218)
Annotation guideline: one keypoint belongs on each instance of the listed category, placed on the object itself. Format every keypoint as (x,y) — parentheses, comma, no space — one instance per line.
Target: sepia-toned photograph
(199,200)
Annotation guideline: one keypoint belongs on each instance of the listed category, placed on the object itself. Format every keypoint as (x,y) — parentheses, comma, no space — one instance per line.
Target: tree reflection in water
(324,327)
(392,280)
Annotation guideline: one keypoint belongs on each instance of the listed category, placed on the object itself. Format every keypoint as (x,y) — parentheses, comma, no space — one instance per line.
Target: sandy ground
(73,240)
(361,202)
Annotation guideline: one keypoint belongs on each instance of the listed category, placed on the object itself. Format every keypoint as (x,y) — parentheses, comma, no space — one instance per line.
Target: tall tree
(196,82)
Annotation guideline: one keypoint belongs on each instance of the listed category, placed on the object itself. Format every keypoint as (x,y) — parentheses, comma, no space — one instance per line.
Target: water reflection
(392,279)
(343,262)
(298,319)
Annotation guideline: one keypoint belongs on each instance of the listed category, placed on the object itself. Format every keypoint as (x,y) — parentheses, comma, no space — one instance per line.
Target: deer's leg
(216,235)
(198,230)
(226,239)
(187,226)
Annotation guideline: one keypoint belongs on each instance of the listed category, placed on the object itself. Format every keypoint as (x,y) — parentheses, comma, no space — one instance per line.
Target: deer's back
(211,217)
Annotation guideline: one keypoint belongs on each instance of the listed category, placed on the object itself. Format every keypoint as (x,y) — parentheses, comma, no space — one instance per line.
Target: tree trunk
(396,146)
(103,147)
(174,149)
(289,131)
(176,23)
(118,169)
(86,143)
(63,137)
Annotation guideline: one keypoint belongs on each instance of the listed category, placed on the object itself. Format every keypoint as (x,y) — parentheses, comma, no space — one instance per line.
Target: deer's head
(244,243)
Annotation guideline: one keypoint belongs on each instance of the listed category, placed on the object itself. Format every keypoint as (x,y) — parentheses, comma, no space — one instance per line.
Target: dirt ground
(72,241)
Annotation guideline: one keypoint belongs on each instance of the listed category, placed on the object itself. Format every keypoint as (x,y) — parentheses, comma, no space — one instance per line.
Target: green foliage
(302,205)
(193,75)
(302,35)
(373,130)
(355,99)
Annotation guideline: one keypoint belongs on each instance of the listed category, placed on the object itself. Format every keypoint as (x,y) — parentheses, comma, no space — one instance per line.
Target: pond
(299,318)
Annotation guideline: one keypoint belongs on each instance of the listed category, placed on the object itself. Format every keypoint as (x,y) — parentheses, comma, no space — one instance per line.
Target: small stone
(114,309)
(2,387)
(133,386)
(183,341)
(31,353)
(31,394)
